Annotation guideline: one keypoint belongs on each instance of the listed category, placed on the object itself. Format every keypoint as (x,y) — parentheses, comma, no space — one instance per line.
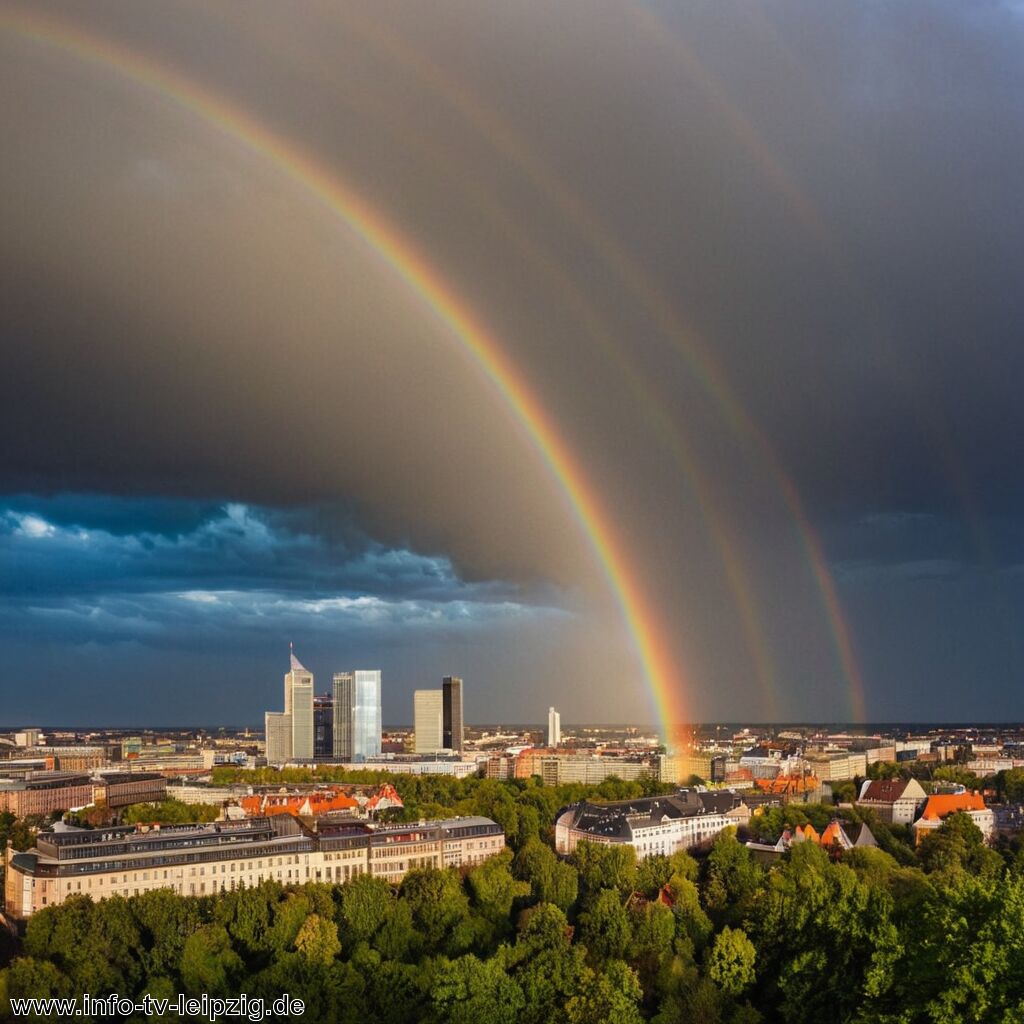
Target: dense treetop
(897,935)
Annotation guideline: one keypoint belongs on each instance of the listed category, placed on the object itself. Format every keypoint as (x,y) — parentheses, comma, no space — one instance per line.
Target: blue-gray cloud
(74,570)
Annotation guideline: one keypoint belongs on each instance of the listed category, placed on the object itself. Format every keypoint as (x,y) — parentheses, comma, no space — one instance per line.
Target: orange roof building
(788,785)
(301,804)
(941,805)
(324,800)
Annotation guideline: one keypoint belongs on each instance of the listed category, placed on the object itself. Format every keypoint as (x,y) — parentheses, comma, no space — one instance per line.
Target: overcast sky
(759,263)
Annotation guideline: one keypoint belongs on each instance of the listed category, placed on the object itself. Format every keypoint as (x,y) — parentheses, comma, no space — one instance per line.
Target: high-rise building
(451,690)
(357,715)
(279,737)
(554,728)
(323,727)
(428,721)
(298,703)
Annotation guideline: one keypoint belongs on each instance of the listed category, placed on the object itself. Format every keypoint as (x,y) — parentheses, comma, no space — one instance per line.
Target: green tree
(494,889)
(29,978)
(543,926)
(815,923)
(473,991)
(1010,784)
(611,996)
(364,907)
(551,880)
(209,964)
(733,879)
(605,927)
(169,812)
(437,902)
(731,961)
(246,913)
(605,865)
(165,921)
(692,922)
(317,939)
(958,845)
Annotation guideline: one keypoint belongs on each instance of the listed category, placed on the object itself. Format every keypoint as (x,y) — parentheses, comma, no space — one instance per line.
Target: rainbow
(409,265)
(513,147)
(495,130)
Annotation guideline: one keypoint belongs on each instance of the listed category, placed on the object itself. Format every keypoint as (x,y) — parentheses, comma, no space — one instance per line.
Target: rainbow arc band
(409,265)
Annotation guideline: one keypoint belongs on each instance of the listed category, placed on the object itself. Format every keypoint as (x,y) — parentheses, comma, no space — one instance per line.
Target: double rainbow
(409,265)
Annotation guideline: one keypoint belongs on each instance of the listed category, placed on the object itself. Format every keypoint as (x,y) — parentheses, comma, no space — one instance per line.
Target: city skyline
(379,358)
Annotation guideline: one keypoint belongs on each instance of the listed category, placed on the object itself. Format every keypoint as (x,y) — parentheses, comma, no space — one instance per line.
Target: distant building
(761,762)
(119,789)
(45,792)
(941,806)
(278,728)
(500,766)
(197,860)
(323,727)
(554,728)
(652,825)
(416,765)
(837,766)
(131,746)
(71,758)
(791,787)
(681,767)
(357,715)
(895,801)
(560,769)
(451,695)
(27,737)
(428,721)
(298,704)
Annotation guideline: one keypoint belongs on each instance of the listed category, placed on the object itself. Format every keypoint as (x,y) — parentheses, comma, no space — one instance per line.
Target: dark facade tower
(451,708)
(323,727)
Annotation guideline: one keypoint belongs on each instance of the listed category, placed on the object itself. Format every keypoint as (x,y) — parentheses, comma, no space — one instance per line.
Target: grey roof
(620,818)
(865,837)
(720,801)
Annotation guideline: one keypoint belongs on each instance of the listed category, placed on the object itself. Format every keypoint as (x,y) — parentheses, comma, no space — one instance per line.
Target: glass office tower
(451,700)
(357,715)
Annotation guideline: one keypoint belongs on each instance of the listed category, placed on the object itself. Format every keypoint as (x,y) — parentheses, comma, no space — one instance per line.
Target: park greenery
(895,935)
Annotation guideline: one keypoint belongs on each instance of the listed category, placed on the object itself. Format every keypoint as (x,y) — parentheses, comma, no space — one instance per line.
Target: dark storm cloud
(65,547)
(828,194)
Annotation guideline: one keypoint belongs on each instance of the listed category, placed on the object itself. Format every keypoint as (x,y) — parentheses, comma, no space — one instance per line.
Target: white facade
(896,802)
(428,721)
(554,728)
(665,837)
(298,703)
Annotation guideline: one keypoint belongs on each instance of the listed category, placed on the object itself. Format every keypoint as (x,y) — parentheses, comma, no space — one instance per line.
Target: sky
(753,267)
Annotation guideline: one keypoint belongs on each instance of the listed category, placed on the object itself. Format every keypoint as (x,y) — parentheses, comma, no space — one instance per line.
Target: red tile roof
(885,791)
(947,803)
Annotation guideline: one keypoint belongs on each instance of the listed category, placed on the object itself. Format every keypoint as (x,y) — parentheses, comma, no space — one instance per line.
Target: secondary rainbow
(499,133)
(411,267)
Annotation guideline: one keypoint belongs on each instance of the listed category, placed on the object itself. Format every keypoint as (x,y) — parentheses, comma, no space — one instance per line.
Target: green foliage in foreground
(529,937)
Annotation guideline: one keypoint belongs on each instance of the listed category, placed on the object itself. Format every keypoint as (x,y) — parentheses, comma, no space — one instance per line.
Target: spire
(297,665)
